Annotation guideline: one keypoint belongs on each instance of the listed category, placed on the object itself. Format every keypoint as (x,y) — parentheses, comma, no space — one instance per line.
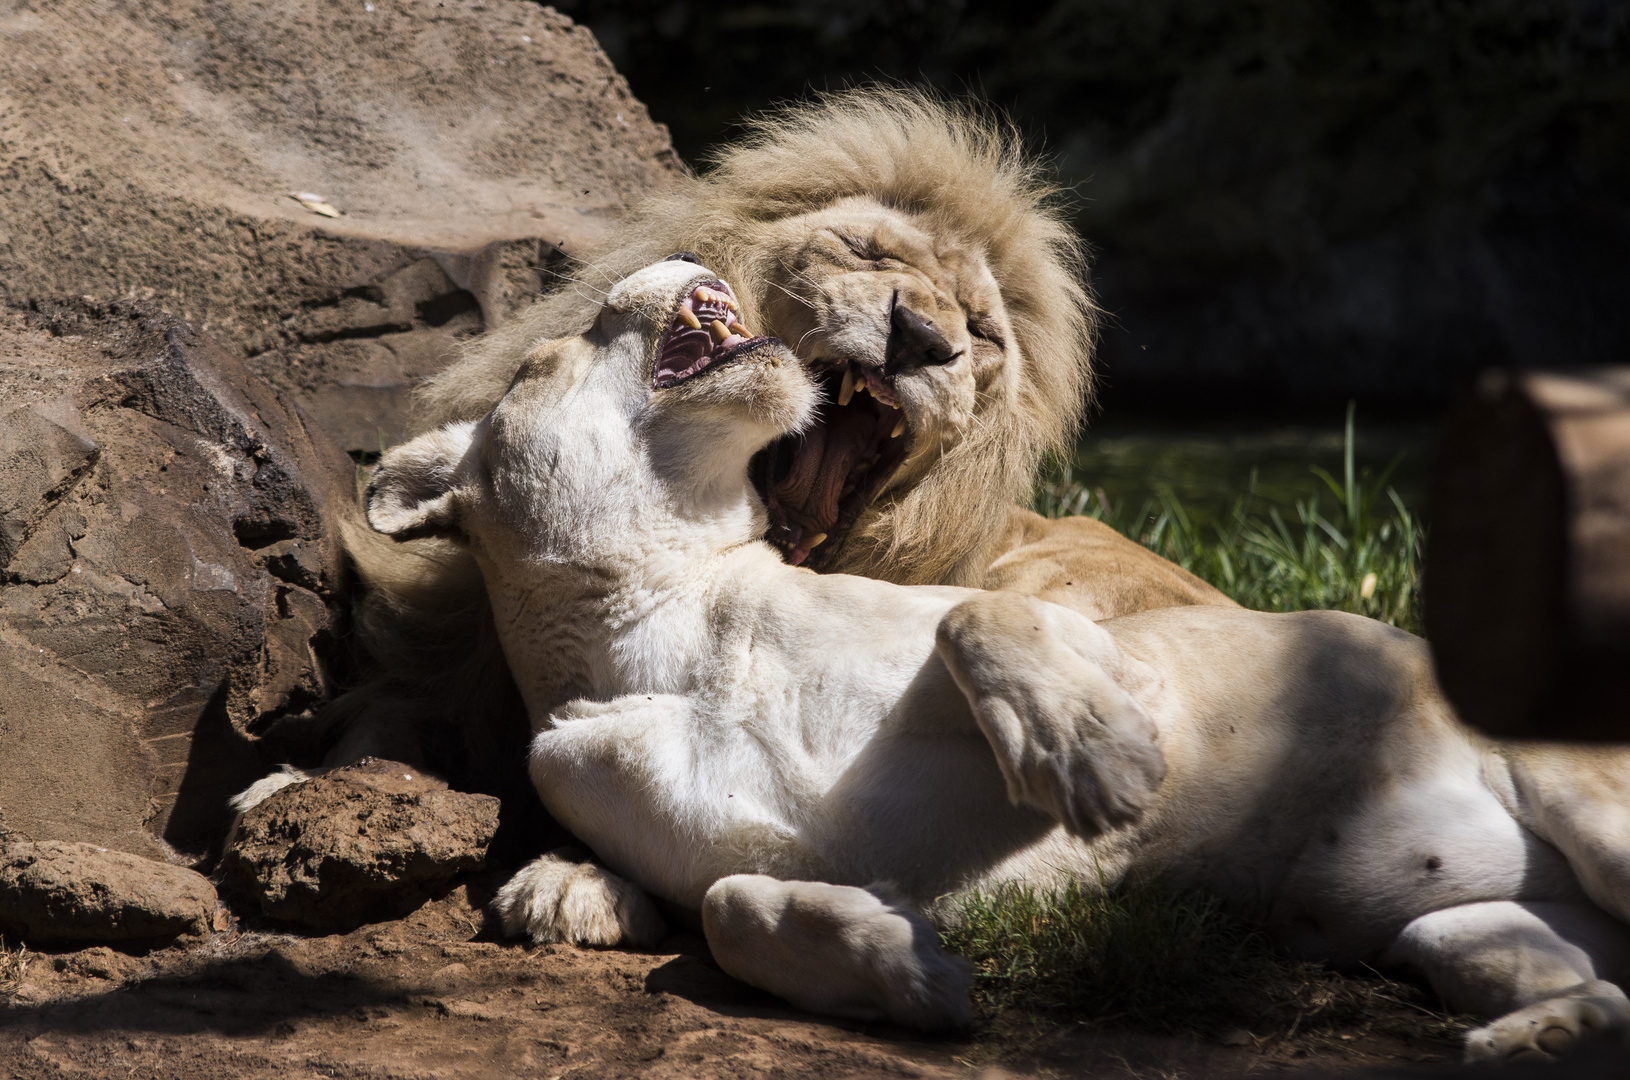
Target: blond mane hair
(957,168)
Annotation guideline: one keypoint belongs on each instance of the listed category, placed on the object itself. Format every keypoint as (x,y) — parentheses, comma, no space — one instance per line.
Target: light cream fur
(763,744)
(972,230)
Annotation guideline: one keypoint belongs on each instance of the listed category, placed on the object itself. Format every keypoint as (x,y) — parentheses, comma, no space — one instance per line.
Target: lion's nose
(915,341)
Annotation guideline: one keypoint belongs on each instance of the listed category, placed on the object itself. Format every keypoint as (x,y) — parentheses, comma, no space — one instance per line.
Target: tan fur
(887,160)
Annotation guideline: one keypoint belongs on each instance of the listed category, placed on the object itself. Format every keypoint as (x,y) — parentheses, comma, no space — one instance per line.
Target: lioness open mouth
(817,482)
(704,333)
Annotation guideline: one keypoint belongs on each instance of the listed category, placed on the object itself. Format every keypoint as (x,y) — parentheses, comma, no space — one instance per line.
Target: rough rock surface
(165,572)
(148,150)
(56,893)
(169,596)
(362,843)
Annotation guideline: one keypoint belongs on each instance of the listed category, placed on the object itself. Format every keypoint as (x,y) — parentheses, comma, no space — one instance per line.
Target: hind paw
(1548,1029)
(554,899)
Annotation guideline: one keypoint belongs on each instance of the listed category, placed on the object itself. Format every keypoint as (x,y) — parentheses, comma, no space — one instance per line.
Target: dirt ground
(436,995)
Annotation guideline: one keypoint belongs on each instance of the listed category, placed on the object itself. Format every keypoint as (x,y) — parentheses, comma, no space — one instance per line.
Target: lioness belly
(1316,776)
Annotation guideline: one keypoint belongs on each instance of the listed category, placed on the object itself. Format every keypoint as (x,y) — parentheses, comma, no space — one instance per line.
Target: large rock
(53,893)
(149,149)
(359,844)
(169,593)
(167,572)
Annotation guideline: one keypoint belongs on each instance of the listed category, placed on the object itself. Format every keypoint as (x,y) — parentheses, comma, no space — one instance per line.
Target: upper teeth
(689,317)
(719,329)
(847,391)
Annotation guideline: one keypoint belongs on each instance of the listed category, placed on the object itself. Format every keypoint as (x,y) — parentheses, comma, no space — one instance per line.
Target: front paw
(1046,688)
(1548,1029)
(553,899)
(1093,766)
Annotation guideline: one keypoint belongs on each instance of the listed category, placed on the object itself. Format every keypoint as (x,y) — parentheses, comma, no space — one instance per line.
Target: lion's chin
(816,483)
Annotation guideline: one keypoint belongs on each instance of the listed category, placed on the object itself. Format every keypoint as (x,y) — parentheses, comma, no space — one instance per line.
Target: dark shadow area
(694,977)
(231,997)
(1292,203)
(221,761)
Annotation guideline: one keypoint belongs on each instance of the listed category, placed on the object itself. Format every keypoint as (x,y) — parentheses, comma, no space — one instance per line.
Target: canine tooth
(847,391)
(813,542)
(899,428)
(737,328)
(720,330)
(690,318)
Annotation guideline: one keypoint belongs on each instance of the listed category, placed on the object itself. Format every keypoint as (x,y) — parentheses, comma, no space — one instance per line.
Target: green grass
(1163,959)
(1158,957)
(1349,544)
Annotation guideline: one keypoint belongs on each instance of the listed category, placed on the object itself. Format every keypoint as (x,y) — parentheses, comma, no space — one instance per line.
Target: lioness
(762,743)
(912,254)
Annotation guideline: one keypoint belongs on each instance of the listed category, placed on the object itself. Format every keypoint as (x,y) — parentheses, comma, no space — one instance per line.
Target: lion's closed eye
(985,328)
(859,247)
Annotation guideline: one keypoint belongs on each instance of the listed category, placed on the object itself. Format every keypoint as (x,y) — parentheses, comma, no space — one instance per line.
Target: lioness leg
(1046,687)
(1578,799)
(1538,967)
(837,950)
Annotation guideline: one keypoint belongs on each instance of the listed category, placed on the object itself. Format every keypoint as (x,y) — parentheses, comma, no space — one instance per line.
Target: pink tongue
(829,455)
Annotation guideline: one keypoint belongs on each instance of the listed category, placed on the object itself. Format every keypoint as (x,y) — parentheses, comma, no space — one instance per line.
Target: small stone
(361,844)
(64,894)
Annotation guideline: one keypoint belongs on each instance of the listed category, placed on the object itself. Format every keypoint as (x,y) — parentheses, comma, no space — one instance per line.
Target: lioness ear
(413,491)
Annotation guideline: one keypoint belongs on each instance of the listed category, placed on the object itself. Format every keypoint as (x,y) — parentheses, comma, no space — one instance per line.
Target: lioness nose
(915,341)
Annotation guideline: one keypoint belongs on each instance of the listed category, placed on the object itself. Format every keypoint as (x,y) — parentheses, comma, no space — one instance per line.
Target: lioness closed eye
(765,744)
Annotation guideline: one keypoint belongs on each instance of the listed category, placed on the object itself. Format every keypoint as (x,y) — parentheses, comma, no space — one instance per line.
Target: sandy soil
(435,995)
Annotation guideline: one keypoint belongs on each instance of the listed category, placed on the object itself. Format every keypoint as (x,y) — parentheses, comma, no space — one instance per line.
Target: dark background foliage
(1294,202)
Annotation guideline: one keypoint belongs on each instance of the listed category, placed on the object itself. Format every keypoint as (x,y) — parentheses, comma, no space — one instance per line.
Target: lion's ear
(414,491)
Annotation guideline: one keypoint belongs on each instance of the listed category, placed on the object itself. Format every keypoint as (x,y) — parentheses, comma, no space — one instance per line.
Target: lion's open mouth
(704,333)
(817,482)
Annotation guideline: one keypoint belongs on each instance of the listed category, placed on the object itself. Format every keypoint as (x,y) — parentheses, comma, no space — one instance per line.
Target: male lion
(759,742)
(884,234)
